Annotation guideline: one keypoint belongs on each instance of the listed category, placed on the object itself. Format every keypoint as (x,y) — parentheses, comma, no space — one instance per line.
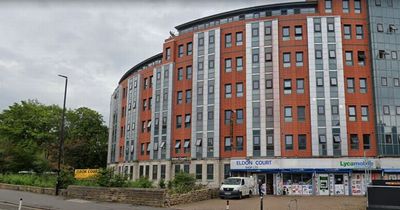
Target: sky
(92,42)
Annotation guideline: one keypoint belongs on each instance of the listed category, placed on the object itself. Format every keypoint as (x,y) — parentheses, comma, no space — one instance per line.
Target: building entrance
(267,183)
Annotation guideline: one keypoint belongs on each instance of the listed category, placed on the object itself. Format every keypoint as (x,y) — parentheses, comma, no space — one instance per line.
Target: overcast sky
(92,42)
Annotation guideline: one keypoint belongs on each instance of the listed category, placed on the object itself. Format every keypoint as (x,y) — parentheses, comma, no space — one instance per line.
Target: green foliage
(29,179)
(107,178)
(66,179)
(29,138)
(183,183)
(161,184)
(143,182)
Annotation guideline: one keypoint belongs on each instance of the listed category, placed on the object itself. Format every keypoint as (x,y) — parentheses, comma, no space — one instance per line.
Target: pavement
(9,200)
(282,203)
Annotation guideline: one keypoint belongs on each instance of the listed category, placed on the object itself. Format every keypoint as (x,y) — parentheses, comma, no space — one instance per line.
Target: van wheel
(250,193)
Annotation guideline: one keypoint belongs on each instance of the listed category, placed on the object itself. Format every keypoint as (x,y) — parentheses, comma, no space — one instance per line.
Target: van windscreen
(232,181)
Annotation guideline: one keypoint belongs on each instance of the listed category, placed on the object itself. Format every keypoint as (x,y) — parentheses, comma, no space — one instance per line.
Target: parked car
(237,187)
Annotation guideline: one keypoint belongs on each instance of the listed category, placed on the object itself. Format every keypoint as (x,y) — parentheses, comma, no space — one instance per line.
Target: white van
(237,187)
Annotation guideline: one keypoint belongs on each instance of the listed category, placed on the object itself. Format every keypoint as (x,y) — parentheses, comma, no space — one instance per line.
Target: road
(9,200)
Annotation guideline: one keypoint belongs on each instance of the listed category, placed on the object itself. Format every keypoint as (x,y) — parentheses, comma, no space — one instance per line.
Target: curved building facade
(284,93)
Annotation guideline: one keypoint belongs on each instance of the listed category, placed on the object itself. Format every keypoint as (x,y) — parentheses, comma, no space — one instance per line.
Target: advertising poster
(323,184)
(356,184)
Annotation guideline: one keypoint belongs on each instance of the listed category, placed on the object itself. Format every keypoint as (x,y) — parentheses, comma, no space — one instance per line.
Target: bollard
(227,204)
(20,204)
(261,203)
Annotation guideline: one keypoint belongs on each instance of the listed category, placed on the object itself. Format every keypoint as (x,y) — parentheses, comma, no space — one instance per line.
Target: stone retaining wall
(136,196)
(194,196)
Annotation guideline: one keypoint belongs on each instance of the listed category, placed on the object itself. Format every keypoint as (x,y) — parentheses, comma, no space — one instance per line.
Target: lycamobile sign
(357,164)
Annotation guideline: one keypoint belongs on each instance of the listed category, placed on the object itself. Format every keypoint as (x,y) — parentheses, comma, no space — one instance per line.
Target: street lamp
(61,145)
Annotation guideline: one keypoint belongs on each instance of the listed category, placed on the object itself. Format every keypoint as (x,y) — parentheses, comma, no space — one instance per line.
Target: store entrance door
(267,183)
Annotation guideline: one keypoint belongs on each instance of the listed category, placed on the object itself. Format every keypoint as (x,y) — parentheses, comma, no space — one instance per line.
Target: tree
(29,138)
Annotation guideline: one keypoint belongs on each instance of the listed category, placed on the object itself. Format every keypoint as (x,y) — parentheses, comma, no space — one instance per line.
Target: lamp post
(61,145)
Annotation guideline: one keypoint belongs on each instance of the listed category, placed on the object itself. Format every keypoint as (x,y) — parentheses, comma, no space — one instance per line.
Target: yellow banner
(85,173)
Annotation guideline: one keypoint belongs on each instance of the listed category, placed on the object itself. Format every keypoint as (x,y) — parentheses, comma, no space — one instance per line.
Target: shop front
(313,176)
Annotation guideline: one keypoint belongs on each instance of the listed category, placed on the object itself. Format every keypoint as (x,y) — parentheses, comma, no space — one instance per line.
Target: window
(256,84)
(187,121)
(188,72)
(268,57)
(396,82)
(349,58)
(359,32)
(239,143)
(333,81)
(189,48)
(168,53)
(322,138)
(321,110)
(347,31)
(211,39)
(364,113)
(299,58)
(186,146)
(300,86)
(239,116)
(210,115)
(256,144)
(320,82)
(199,116)
(392,28)
(270,111)
(239,63)
(301,113)
(228,117)
(388,139)
(286,33)
(180,74)
(239,38)
(179,121)
(345,6)
(379,27)
(289,142)
(267,31)
(317,27)
(158,75)
(332,54)
(363,85)
(268,84)
(239,89)
(201,41)
(331,27)
(357,6)
(179,97)
(186,168)
(255,58)
(210,171)
(286,59)
(350,85)
(354,141)
(302,142)
(366,141)
(256,111)
(352,113)
(210,145)
(288,114)
(361,58)
(228,91)
(211,64)
(378,2)
(228,144)
(142,149)
(336,138)
(188,96)
(178,146)
(180,51)
(254,32)
(144,104)
(287,86)
(228,65)
(398,110)
(145,83)
(384,81)
(228,40)
(386,110)
(394,55)
(328,6)
(154,175)
(199,171)
(318,54)
(298,32)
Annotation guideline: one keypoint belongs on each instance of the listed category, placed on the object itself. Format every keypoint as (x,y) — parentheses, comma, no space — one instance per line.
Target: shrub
(141,183)
(161,184)
(183,183)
